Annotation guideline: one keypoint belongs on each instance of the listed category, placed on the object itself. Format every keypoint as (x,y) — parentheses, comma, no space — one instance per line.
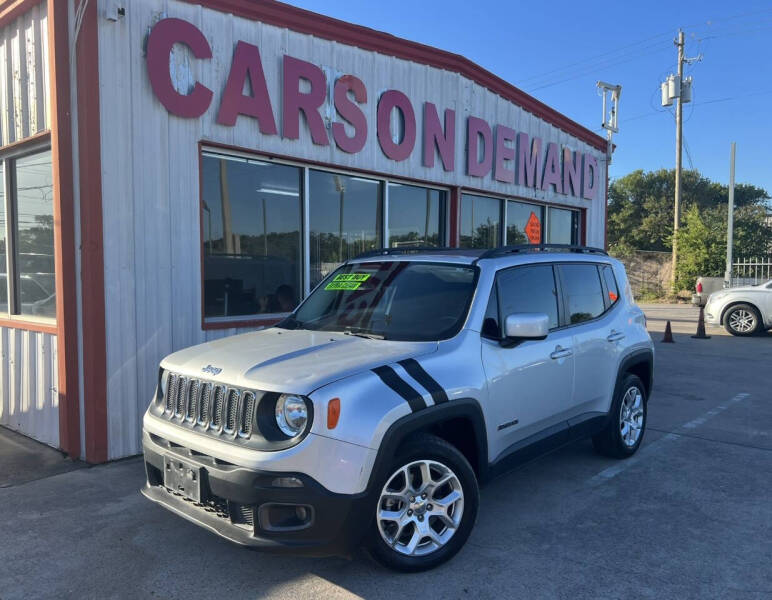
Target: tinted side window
(611,284)
(490,328)
(583,292)
(529,290)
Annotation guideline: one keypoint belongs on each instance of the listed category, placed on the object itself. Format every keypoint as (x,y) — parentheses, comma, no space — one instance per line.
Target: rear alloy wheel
(742,319)
(426,508)
(627,420)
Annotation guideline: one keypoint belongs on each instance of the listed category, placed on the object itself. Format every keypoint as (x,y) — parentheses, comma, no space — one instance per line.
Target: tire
(620,438)
(742,319)
(389,540)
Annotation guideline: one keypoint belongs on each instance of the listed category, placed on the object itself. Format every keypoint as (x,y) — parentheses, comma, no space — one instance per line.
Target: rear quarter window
(583,292)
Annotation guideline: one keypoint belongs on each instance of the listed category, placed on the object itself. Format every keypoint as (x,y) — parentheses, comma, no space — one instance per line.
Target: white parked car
(405,380)
(741,310)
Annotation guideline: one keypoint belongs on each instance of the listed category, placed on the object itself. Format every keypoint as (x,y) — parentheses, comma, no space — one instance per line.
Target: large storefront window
(563,226)
(416,216)
(28,284)
(480,222)
(345,219)
(252,247)
(524,223)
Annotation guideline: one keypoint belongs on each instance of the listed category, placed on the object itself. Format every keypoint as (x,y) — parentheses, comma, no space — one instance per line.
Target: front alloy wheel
(742,319)
(426,507)
(420,508)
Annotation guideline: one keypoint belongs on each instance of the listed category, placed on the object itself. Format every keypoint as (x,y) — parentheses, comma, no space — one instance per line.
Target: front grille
(216,408)
(179,403)
(194,395)
(204,404)
(231,411)
(246,413)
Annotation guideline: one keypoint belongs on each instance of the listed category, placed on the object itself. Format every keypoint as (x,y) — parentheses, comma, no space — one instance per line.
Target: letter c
(164,35)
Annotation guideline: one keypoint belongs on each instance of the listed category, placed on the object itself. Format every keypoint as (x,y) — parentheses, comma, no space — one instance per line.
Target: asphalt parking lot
(689,516)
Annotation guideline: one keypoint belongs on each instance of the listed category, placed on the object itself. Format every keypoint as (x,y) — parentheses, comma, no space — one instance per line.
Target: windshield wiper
(368,336)
(290,322)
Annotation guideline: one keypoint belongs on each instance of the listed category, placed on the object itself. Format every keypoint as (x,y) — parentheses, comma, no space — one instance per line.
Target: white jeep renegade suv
(407,378)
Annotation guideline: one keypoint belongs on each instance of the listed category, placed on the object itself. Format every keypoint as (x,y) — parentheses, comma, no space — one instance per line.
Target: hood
(745,288)
(289,361)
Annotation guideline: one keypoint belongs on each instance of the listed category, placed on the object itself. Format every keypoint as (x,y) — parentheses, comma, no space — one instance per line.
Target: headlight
(291,414)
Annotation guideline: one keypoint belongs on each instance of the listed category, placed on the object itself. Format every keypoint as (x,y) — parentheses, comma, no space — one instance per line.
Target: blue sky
(556,51)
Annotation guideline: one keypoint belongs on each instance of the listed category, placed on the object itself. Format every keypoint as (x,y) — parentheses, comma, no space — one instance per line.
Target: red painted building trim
(235,324)
(64,229)
(92,247)
(304,21)
(39,327)
(40,138)
(10,10)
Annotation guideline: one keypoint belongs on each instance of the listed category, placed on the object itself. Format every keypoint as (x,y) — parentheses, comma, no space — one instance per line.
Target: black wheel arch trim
(637,357)
(403,428)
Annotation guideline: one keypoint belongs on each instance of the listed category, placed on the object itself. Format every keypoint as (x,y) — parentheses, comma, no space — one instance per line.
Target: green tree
(640,212)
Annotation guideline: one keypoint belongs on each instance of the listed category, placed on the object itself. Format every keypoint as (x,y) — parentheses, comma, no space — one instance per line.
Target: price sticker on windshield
(347,281)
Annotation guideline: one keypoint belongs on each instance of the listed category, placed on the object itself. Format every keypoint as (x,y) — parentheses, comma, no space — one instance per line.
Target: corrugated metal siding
(24,97)
(151,186)
(29,401)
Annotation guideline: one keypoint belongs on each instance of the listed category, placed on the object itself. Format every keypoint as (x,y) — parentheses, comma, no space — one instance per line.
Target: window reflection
(563,226)
(345,219)
(518,217)
(416,216)
(480,222)
(251,218)
(35,235)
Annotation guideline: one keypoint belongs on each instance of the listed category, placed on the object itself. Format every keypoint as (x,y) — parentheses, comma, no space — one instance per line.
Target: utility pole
(679,89)
(730,221)
(679,129)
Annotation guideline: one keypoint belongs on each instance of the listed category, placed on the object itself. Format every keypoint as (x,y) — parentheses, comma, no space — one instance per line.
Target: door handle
(560,352)
(615,336)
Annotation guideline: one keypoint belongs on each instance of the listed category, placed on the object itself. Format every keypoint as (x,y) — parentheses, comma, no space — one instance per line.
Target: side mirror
(526,326)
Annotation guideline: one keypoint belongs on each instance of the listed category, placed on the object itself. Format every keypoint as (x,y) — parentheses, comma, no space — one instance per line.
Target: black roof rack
(504,250)
(416,250)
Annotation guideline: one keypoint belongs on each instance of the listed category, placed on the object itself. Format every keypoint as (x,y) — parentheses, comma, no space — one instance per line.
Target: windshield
(395,300)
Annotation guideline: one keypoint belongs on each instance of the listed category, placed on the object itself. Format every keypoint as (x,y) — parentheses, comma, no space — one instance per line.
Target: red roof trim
(304,21)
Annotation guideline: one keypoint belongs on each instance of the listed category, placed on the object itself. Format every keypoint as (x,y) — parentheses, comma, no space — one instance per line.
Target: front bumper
(250,507)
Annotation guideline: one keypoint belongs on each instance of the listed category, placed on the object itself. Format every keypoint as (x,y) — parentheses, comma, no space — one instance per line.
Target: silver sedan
(742,310)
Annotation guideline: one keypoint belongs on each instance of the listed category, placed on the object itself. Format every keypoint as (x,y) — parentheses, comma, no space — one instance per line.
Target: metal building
(179,170)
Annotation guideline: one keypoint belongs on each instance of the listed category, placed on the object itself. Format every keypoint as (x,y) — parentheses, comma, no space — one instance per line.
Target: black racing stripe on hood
(417,372)
(390,377)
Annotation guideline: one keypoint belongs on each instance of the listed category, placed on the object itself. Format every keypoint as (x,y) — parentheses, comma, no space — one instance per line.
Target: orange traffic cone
(700,335)
(668,339)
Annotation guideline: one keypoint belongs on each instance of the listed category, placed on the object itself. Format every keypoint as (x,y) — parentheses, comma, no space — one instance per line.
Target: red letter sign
(247,65)
(552,169)
(474,129)
(590,184)
(529,161)
(390,100)
(572,175)
(165,34)
(309,103)
(433,134)
(504,154)
(351,112)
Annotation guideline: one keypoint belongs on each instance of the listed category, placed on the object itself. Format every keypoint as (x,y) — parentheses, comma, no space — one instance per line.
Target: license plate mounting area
(182,478)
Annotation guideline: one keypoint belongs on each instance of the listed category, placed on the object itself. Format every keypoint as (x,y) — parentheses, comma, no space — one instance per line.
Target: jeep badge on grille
(211,370)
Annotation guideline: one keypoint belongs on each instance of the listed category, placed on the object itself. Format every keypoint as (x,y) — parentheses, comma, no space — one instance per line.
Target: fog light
(287,482)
